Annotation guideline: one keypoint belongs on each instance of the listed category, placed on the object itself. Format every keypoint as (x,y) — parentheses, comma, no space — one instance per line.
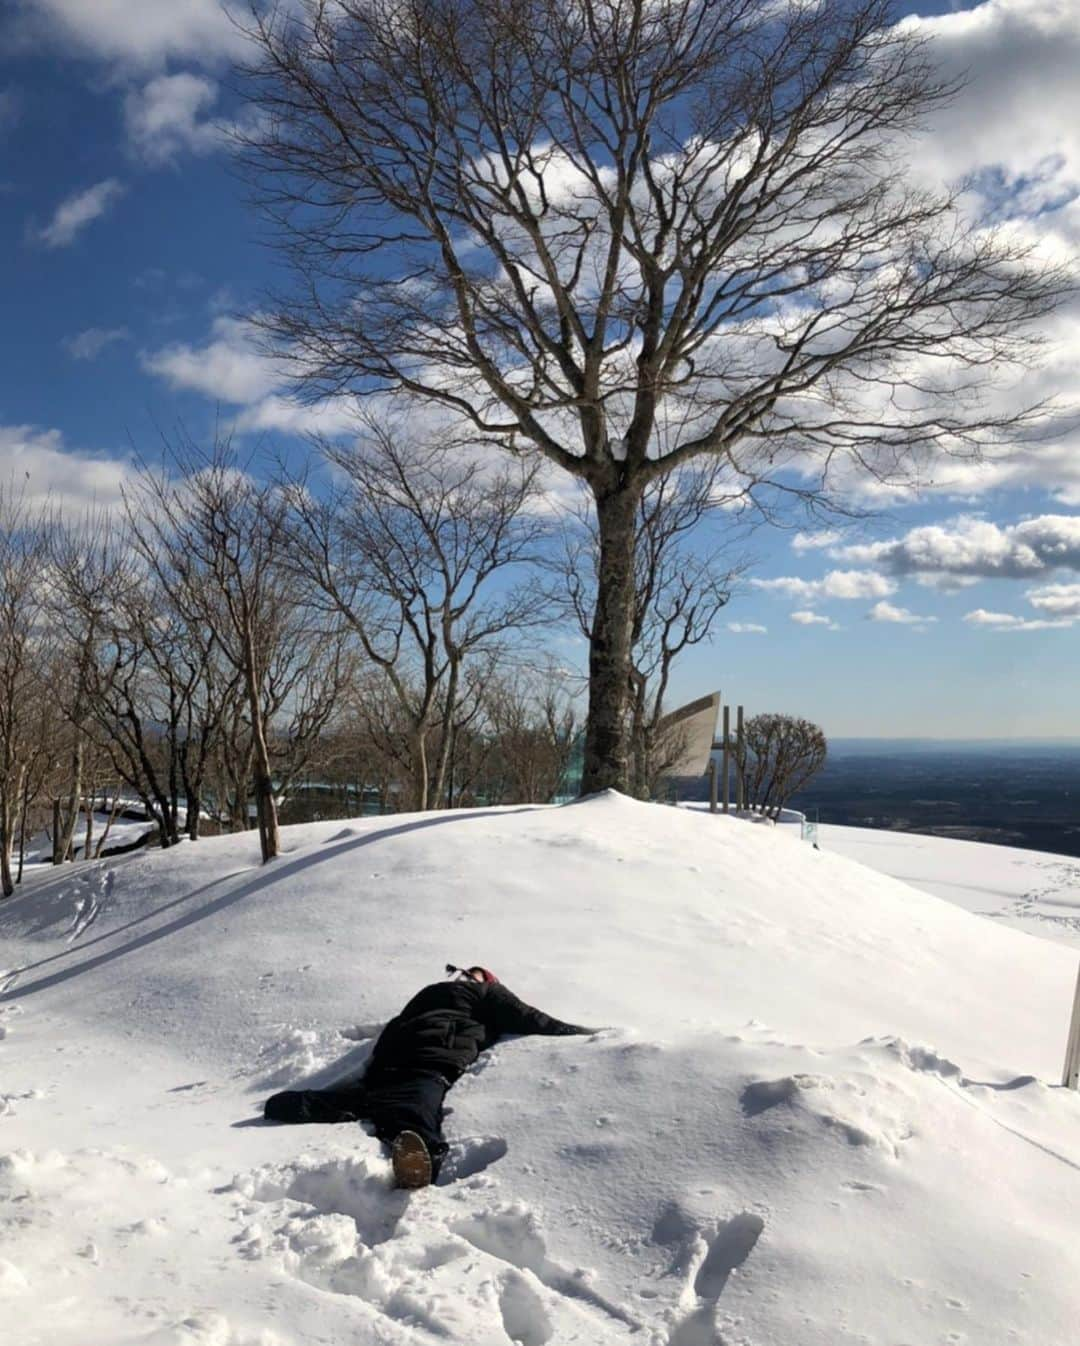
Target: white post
(1071,1078)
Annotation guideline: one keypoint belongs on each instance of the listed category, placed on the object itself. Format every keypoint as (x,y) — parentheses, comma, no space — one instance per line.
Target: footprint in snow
(726,1251)
(524,1317)
(729,1248)
(512,1235)
(467,1158)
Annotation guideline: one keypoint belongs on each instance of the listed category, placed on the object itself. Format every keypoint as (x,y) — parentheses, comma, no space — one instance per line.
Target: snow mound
(822,1110)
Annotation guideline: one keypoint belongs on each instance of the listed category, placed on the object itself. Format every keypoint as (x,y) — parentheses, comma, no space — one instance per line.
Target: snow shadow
(265,876)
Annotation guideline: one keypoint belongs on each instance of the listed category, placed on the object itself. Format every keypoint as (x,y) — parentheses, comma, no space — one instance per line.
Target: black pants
(395,1100)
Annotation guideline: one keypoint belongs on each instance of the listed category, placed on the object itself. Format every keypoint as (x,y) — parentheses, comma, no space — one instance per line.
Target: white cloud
(812,541)
(1019,111)
(836,584)
(75,213)
(747,629)
(88,345)
(813,619)
(230,368)
(279,412)
(1060,600)
(969,547)
(37,462)
(888,612)
(139,32)
(166,117)
(1007,621)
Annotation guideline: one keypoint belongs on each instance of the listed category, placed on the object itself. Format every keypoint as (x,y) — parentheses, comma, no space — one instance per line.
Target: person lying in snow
(417,1057)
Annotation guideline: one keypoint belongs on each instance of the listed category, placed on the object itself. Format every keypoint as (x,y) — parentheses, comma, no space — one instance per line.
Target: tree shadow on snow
(264,877)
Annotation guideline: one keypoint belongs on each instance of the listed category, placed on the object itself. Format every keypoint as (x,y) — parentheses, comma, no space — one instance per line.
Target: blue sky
(128,251)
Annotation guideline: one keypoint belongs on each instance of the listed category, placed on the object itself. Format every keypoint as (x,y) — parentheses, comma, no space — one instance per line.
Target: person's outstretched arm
(511,1015)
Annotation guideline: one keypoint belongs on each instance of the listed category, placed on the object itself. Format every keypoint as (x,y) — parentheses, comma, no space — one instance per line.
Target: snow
(821,1106)
(1028,890)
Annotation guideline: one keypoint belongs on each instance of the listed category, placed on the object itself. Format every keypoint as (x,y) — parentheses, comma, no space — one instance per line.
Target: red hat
(487,976)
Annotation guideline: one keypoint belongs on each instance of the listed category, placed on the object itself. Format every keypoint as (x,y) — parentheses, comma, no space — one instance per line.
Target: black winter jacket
(446,1026)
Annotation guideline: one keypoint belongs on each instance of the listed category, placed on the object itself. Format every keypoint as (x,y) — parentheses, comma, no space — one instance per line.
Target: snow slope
(1027,890)
(822,1108)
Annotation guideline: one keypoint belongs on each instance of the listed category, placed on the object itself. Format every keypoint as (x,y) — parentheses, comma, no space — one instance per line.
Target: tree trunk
(7,839)
(262,780)
(606,765)
(89,842)
(22,828)
(108,825)
(63,843)
(420,770)
(437,789)
(57,830)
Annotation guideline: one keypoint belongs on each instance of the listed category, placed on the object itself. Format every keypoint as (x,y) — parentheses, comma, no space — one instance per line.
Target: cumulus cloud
(168,115)
(76,212)
(39,463)
(1060,600)
(747,629)
(836,584)
(88,345)
(813,619)
(812,541)
(1019,110)
(889,612)
(229,368)
(970,547)
(1007,621)
(145,33)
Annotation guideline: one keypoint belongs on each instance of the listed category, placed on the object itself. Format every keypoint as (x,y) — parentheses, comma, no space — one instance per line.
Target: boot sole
(411,1161)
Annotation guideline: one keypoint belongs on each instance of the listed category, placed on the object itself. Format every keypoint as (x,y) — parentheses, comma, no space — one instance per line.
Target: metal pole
(740,751)
(726,769)
(1071,1077)
(712,784)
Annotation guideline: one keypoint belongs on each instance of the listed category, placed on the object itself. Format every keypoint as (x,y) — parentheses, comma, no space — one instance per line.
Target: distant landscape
(1009,792)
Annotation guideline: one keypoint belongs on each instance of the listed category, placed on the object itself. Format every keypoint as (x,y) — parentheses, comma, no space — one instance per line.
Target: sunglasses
(459,973)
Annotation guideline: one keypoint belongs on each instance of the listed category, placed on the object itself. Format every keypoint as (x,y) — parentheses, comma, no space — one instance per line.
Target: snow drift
(821,1111)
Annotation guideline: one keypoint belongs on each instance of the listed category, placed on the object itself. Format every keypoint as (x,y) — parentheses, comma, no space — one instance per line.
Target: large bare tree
(624,235)
(683,579)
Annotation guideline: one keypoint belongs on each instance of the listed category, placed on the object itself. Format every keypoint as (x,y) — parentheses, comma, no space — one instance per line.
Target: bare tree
(213,537)
(625,235)
(530,726)
(782,754)
(680,587)
(23,550)
(131,674)
(423,552)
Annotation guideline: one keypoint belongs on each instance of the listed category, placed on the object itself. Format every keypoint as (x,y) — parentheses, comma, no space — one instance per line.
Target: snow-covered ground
(823,1108)
(1028,890)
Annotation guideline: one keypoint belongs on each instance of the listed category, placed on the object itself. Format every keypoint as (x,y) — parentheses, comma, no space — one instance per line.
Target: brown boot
(411,1160)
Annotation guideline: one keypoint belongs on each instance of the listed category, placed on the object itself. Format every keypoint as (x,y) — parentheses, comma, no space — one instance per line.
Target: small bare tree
(782,753)
(624,236)
(214,538)
(23,661)
(530,724)
(422,550)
